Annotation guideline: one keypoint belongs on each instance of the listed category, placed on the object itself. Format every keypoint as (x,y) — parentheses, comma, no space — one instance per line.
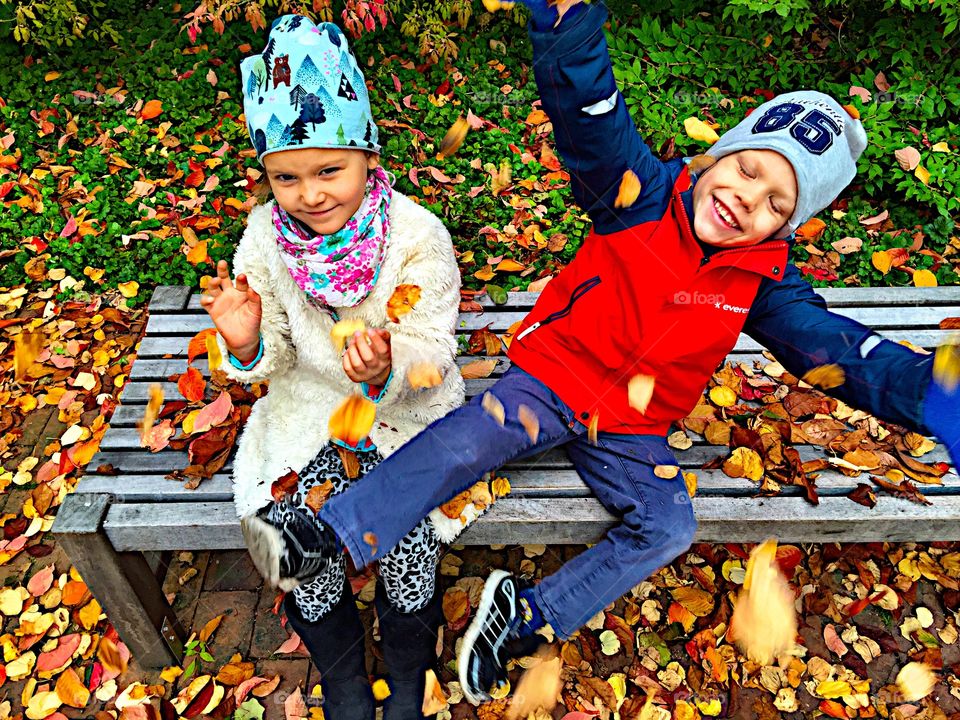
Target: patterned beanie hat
(305,90)
(815,134)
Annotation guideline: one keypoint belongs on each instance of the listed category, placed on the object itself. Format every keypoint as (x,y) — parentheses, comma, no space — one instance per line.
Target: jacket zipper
(578,292)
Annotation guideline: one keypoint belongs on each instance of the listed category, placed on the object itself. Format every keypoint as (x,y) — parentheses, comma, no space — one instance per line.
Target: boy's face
(744,198)
(320,187)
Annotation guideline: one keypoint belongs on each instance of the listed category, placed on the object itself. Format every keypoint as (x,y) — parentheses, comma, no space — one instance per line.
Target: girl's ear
(373,160)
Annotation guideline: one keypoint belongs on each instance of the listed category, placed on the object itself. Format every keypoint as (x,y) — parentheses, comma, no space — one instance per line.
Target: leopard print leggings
(408,572)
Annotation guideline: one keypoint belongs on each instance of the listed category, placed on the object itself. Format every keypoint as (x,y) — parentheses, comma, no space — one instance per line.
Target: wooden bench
(111,521)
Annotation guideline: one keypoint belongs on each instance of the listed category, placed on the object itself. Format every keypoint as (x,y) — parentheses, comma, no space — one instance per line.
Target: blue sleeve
(593,130)
(883,378)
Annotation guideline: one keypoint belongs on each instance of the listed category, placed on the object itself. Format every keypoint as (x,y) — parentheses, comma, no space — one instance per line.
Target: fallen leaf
(640,391)
(317,495)
(924,278)
(151,109)
(453,138)
(213,413)
(699,130)
(478,369)
(129,289)
(27,346)
(722,396)
(110,655)
(744,462)
(192,385)
(71,690)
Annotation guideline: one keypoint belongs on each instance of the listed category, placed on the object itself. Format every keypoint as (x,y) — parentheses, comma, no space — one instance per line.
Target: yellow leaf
(169,674)
(214,358)
(500,487)
(493,407)
(722,396)
(210,628)
(711,708)
(528,418)
(381,691)
(403,300)
(924,278)
(882,261)
(454,138)
(345,329)
(109,654)
(129,289)
(946,366)
(744,462)
(352,420)
(667,472)
(697,601)
(423,375)
(26,347)
(923,175)
(509,265)
(690,480)
(51,76)
(629,190)
(831,689)
(825,377)
(433,698)
(941,147)
(89,614)
(639,392)
(764,622)
(916,681)
(485,273)
(699,130)
(198,253)
(154,403)
(71,690)
(42,705)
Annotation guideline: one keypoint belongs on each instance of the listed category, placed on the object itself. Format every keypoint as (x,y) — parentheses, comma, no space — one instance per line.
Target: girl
(333,245)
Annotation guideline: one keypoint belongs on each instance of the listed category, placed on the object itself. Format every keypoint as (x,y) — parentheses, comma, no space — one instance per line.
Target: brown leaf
(454,138)
(538,688)
(350,462)
(26,347)
(864,495)
(484,342)
(403,300)
(456,605)
(478,369)
(235,673)
(318,495)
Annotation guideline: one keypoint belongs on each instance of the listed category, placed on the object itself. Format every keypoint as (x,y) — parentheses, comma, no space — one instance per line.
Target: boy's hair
(820,139)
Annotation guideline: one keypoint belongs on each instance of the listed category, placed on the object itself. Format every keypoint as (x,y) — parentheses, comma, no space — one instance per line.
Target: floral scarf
(339,270)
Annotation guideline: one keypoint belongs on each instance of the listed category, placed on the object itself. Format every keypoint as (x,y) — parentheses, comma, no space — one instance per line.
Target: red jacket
(642,300)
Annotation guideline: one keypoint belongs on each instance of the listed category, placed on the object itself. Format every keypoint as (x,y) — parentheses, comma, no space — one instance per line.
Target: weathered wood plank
(582,520)
(878,318)
(124,586)
(171,298)
(129,488)
(835,297)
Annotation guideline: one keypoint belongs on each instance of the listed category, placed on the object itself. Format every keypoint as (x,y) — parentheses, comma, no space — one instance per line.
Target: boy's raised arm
(595,135)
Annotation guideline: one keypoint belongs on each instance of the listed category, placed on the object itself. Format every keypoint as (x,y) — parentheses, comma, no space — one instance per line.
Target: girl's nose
(312,194)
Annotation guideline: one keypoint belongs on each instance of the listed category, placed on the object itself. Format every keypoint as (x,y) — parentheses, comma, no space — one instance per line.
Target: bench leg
(123,583)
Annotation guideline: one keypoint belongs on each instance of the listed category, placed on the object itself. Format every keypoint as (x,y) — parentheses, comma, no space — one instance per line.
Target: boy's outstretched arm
(882,377)
(594,133)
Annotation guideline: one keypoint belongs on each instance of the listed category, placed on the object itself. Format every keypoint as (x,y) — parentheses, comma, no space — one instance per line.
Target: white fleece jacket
(288,426)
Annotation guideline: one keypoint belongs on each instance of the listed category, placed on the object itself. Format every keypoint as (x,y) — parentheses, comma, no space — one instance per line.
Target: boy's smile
(744,198)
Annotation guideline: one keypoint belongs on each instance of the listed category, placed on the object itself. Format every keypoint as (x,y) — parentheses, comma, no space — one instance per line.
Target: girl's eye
(744,172)
(285,178)
(329,170)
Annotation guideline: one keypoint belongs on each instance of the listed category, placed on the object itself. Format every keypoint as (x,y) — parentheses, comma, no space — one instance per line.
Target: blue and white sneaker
(493,638)
(289,547)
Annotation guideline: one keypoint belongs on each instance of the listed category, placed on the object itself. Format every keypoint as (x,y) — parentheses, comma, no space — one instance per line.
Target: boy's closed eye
(747,173)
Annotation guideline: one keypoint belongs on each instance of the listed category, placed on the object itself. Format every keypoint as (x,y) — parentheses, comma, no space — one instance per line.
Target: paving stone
(186,595)
(268,633)
(32,427)
(231,570)
(233,635)
(293,672)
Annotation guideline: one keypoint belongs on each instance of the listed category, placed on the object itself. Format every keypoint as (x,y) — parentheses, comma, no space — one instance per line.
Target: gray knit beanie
(820,139)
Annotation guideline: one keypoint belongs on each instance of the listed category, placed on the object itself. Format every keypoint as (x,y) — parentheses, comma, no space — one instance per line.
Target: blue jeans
(656,517)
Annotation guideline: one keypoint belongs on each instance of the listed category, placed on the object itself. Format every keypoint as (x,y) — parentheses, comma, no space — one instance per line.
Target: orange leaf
(423,375)
(285,485)
(198,343)
(192,384)
(109,654)
(531,423)
(71,690)
(509,265)
(151,109)
(454,138)
(352,420)
(852,111)
(26,347)
(318,495)
(812,229)
(485,273)
(833,709)
(456,604)
(74,593)
(150,414)
(198,253)
(210,628)
(403,300)
(629,190)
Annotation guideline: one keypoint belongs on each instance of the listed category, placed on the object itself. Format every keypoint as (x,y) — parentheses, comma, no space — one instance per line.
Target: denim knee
(674,528)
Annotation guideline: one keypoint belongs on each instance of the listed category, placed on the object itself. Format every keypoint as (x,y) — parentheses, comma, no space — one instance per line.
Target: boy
(622,308)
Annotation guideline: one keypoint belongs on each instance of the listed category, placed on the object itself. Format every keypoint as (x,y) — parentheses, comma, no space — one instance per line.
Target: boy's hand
(367,358)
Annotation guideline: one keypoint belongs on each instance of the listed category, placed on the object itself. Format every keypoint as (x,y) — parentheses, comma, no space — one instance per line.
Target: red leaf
(192,385)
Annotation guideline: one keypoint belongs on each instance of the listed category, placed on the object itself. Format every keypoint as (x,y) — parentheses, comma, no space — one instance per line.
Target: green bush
(56,23)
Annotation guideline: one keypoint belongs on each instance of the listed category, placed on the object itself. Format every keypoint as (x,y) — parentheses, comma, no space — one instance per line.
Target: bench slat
(214,526)
(878,318)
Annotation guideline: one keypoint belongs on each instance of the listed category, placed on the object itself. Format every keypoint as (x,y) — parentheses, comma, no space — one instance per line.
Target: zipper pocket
(578,292)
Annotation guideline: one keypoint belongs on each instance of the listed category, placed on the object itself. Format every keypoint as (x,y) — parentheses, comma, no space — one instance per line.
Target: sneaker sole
(265,545)
(470,638)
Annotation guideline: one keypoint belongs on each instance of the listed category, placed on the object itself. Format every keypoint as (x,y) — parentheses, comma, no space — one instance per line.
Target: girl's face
(744,198)
(320,187)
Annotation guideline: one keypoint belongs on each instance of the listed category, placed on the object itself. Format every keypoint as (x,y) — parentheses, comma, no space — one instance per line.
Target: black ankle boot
(409,643)
(336,646)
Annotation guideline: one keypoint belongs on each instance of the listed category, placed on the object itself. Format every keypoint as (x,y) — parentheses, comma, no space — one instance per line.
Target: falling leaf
(345,329)
(154,403)
(528,418)
(110,655)
(924,278)
(908,158)
(502,178)
(915,681)
(403,300)
(639,392)
(423,375)
(825,377)
(214,358)
(456,604)
(629,190)
(372,542)
(493,407)
(699,130)
(433,698)
(151,109)
(381,691)
(764,620)
(26,347)
(352,420)
(946,366)
(454,138)
(129,289)
(592,428)
(539,687)
(722,396)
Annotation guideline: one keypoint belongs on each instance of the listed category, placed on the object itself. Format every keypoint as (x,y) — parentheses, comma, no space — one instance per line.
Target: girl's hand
(236,311)
(367,358)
